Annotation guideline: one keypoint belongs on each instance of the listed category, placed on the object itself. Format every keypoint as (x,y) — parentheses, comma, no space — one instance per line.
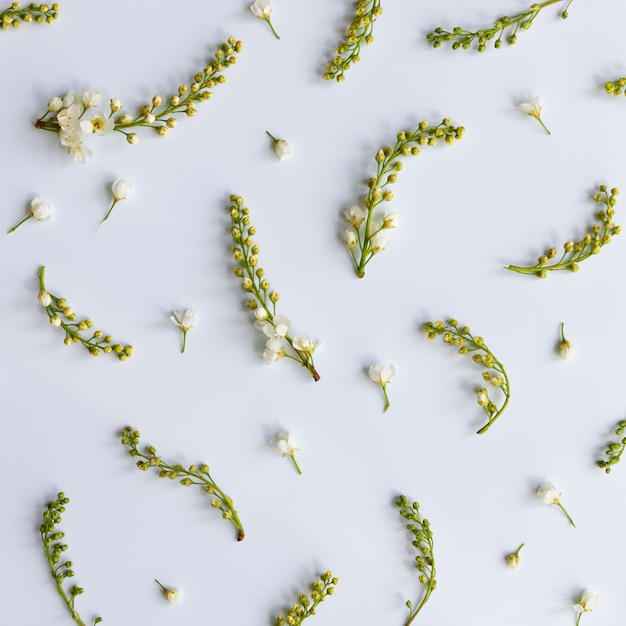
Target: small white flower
(587,601)
(40,209)
(100,124)
(91,98)
(390,220)
(69,98)
(354,215)
(55,320)
(273,350)
(55,104)
(173,596)
(286,445)
(381,375)
(566,349)
(79,152)
(482,397)
(512,560)
(45,299)
(281,325)
(549,494)
(379,242)
(263,10)
(69,118)
(303,344)
(532,107)
(115,104)
(349,238)
(260,313)
(185,321)
(282,148)
(121,189)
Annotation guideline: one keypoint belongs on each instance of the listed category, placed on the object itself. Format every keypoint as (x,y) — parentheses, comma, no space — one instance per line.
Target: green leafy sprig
(60,314)
(614,450)
(14,16)
(576,251)
(367,235)
(195,475)
(66,115)
(305,607)
(263,302)
(54,548)
(425,559)
(495,374)
(359,31)
(462,39)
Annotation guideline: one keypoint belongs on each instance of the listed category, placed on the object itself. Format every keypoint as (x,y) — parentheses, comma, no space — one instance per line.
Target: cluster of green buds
(614,450)
(16,15)
(616,87)
(367,234)
(305,607)
(576,251)
(263,301)
(425,559)
(54,548)
(359,31)
(494,374)
(61,314)
(66,115)
(462,39)
(194,475)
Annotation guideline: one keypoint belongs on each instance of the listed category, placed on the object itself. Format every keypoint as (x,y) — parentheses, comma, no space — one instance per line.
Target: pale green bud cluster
(194,475)
(263,298)
(614,450)
(359,32)
(14,16)
(462,39)
(616,87)
(367,232)
(54,549)
(574,252)
(465,343)
(61,314)
(423,542)
(306,606)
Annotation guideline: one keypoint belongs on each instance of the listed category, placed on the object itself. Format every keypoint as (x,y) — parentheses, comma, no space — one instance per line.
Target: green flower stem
(183,102)
(575,252)
(425,560)
(359,31)
(571,521)
(54,550)
(305,607)
(106,217)
(386,174)
(59,311)
(544,126)
(462,39)
(19,224)
(255,283)
(269,22)
(387,403)
(293,458)
(193,476)
(184,340)
(461,337)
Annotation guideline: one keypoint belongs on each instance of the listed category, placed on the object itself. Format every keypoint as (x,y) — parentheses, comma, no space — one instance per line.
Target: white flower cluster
(70,111)
(277,329)
(355,216)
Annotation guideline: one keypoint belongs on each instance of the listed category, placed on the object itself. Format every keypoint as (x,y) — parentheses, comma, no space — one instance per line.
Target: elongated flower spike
(358,33)
(195,475)
(425,560)
(494,374)
(16,16)
(67,115)
(61,315)
(574,252)
(306,606)
(54,549)
(263,299)
(462,39)
(366,235)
